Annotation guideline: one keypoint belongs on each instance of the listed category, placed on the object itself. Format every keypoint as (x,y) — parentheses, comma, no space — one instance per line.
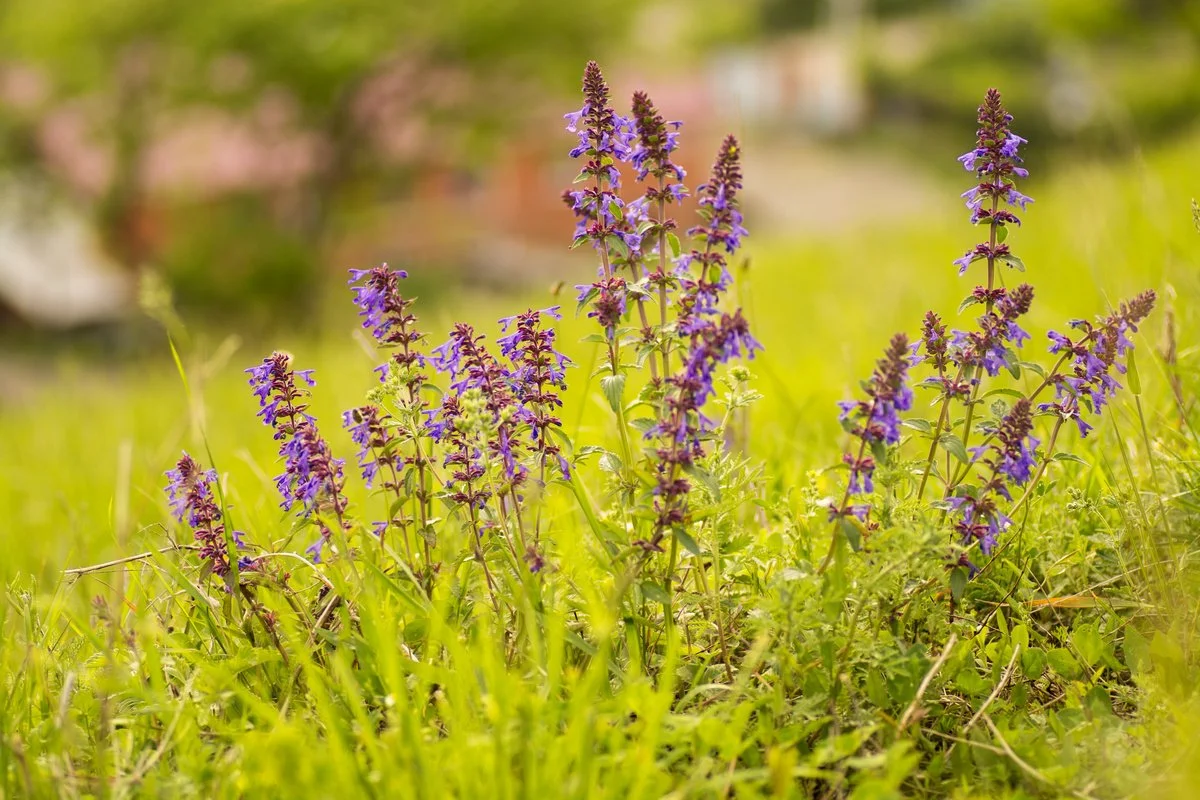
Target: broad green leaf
(954,446)
(613,387)
(654,592)
(958,582)
(686,540)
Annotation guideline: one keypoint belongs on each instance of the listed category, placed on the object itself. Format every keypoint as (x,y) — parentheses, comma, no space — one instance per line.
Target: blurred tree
(361,79)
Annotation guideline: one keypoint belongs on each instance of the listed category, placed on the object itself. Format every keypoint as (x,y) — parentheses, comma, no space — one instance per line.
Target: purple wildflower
(996,163)
(471,366)
(375,432)
(991,347)
(876,421)
(721,233)
(604,138)
(385,312)
(281,401)
(191,496)
(680,430)
(539,372)
(1095,356)
(1011,457)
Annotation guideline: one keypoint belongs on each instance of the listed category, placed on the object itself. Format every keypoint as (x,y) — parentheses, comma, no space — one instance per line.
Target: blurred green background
(244,155)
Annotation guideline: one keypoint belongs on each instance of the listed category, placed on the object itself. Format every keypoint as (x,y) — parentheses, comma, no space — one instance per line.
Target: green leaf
(1013,262)
(1136,650)
(1069,457)
(613,387)
(1006,393)
(955,447)
(654,592)
(968,301)
(1131,372)
(643,424)
(673,243)
(1033,662)
(706,479)
(918,424)
(587,297)
(1036,369)
(849,526)
(1020,636)
(958,582)
(687,541)
(1001,233)
(1011,363)
(1088,643)
(1062,662)
(615,210)
(617,246)
(611,462)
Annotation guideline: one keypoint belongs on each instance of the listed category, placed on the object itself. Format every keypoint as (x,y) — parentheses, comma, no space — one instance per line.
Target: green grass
(834,684)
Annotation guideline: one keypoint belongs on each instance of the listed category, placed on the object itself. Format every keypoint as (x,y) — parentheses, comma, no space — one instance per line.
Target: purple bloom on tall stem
(190,491)
(989,348)
(1095,355)
(605,138)
(539,372)
(374,431)
(995,162)
(281,402)
(874,423)
(681,428)
(704,274)
(465,483)
(876,420)
(470,366)
(1011,457)
(312,477)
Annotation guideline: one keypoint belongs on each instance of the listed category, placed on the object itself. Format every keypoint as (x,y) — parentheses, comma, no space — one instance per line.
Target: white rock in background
(53,272)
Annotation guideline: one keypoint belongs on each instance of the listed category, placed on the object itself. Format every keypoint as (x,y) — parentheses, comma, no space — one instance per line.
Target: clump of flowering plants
(991,464)
(497,553)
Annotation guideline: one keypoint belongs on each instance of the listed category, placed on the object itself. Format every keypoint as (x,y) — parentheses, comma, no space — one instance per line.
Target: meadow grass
(1066,670)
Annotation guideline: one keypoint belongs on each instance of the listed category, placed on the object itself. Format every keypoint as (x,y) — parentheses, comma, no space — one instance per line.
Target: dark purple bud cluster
(682,427)
(608,299)
(996,163)
(190,491)
(1095,354)
(539,373)
(936,346)
(875,422)
(657,139)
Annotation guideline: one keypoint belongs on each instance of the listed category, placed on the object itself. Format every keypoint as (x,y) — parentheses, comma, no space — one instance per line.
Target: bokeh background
(221,165)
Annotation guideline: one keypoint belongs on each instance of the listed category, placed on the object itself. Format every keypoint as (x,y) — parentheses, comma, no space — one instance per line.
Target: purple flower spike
(605,138)
(281,403)
(191,496)
(996,163)
(1095,355)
